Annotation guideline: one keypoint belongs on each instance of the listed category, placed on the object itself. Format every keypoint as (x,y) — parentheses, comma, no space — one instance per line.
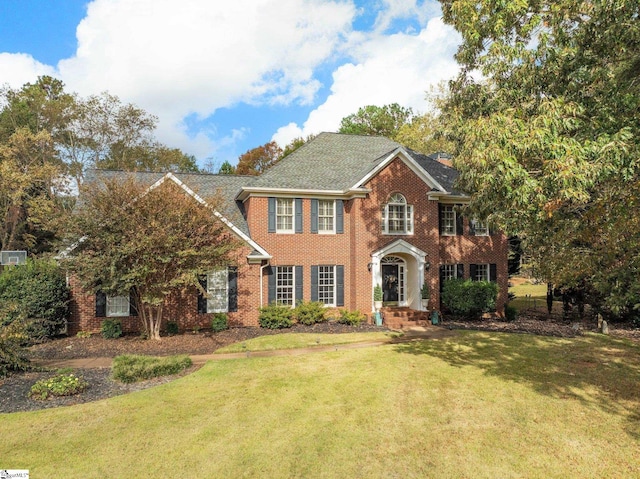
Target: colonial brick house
(338,216)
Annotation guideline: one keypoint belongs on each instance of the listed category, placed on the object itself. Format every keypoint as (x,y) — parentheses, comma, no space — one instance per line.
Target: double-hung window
(479,228)
(218,291)
(481,272)
(397,216)
(285,285)
(449,271)
(326,216)
(118,306)
(327,285)
(284,215)
(448,220)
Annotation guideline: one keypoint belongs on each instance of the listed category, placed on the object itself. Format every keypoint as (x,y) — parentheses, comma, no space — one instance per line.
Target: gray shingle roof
(334,161)
(205,185)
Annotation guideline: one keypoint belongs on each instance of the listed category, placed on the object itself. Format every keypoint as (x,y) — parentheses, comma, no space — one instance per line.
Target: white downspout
(261,283)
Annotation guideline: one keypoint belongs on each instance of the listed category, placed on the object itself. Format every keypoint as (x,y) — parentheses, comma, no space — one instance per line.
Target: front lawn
(477,405)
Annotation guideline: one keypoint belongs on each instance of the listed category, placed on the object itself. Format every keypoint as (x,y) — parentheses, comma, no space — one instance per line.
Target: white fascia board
(448,197)
(410,162)
(217,214)
(301,193)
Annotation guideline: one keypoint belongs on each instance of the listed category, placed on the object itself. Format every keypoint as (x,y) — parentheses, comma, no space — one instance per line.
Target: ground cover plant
(511,405)
(129,368)
(64,383)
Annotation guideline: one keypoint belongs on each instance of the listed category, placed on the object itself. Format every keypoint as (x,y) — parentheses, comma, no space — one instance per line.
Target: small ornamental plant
(424,291)
(351,318)
(377,293)
(62,384)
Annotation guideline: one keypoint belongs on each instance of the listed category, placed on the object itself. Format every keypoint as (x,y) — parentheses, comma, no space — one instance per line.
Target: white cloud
(386,69)
(16,69)
(179,57)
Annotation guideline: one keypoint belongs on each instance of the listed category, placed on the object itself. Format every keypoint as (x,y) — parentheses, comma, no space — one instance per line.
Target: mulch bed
(14,390)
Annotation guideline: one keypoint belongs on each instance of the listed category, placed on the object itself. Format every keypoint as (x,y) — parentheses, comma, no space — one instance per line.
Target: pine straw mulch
(14,390)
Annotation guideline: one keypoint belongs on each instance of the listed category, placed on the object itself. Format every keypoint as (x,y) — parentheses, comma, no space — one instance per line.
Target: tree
(226,169)
(257,160)
(151,242)
(424,134)
(547,135)
(295,144)
(376,120)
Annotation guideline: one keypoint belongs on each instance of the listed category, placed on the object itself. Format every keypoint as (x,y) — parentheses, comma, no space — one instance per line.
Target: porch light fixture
(369,266)
(427,265)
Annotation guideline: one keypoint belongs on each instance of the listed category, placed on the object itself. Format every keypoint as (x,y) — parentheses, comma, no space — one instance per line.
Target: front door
(390,283)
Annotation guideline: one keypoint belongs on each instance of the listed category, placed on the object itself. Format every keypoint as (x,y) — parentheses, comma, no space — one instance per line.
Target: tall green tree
(545,115)
(376,120)
(151,242)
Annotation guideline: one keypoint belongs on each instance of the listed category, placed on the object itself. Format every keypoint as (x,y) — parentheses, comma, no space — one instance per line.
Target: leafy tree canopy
(257,160)
(545,116)
(376,120)
(152,242)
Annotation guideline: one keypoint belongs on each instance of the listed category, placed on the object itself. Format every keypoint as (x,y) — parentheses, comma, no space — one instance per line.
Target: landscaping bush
(469,298)
(510,313)
(130,368)
(12,353)
(62,384)
(172,327)
(276,316)
(219,322)
(310,312)
(111,328)
(39,291)
(351,318)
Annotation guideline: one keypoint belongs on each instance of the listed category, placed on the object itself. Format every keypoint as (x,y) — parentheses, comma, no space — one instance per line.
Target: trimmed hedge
(276,316)
(130,368)
(310,312)
(469,298)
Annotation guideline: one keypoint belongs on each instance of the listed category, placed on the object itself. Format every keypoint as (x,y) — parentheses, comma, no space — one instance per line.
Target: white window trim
(109,306)
(292,215)
(210,306)
(407,218)
(445,209)
(293,285)
(454,271)
(333,218)
(335,291)
(483,226)
(487,267)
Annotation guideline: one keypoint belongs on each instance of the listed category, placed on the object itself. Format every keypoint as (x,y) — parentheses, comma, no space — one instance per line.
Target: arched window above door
(397,216)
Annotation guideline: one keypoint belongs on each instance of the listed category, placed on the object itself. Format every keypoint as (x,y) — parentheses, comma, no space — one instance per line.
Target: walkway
(413,334)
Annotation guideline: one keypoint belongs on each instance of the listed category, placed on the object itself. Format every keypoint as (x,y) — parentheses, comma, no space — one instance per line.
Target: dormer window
(397,216)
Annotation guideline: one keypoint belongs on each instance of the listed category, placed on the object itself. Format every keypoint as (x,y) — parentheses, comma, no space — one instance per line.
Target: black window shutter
(314,283)
(272,215)
(271,295)
(473,271)
(441,278)
(298,278)
(493,273)
(460,271)
(459,223)
(101,304)
(339,285)
(339,216)
(314,216)
(298,215)
(232,278)
(440,207)
(202,299)
(133,304)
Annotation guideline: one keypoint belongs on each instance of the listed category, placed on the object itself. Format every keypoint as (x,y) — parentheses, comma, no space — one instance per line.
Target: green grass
(477,405)
(302,340)
(531,296)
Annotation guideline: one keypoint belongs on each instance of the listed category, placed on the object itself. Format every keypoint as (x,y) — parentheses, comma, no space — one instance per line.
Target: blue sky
(224,77)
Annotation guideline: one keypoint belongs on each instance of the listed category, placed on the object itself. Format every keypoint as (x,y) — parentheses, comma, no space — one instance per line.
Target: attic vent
(12,257)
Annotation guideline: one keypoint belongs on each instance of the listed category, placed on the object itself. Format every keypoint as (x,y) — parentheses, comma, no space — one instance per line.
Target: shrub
(12,353)
(310,312)
(510,313)
(172,327)
(219,322)
(469,298)
(84,334)
(351,318)
(130,368)
(41,295)
(276,316)
(377,293)
(62,384)
(111,328)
